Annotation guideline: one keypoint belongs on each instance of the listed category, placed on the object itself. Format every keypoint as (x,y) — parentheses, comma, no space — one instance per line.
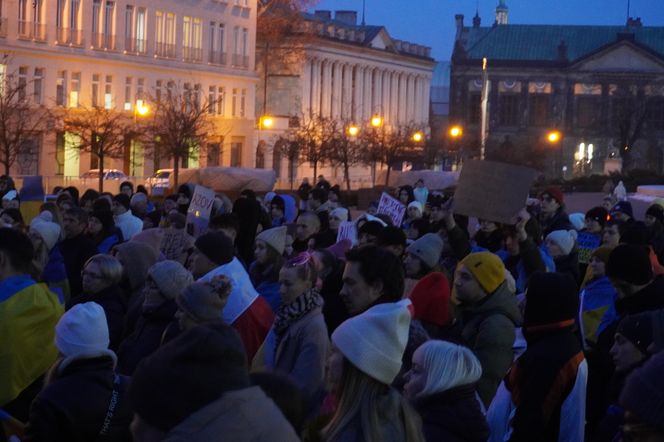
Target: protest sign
(199,211)
(492,191)
(587,243)
(347,230)
(392,207)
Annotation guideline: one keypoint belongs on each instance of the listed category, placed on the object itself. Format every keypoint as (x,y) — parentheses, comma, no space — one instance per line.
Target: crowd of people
(276,324)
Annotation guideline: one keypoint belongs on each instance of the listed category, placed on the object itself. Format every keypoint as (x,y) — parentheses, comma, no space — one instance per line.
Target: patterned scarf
(290,313)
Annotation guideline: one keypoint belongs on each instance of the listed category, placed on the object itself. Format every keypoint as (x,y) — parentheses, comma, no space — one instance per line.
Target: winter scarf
(290,313)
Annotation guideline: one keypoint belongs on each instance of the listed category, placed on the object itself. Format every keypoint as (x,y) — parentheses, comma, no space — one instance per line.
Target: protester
(422,256)
(330,270)
(202,302)
(48,264)
(405,195)
(596,219)
(598,298)
(622,212)
(303,193)
(264,271)
(431,300)
(337,216)
(489,236)
(553,216)
(76,248)
(442,386)
(642,399)
(128,224)
(308,226)
(561,245)
(420,192)
(101,229)
(393,239)
(11,217)
(415,210)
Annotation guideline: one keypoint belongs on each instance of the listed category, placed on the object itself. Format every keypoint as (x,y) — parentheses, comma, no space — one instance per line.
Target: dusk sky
(431,22)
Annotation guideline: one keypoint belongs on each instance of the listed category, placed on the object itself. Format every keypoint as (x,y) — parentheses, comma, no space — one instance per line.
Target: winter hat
(138,198)
(136,258)
(555,193)
(598,214)
(417,205)
(487,268)
(82,333)
(552,298)
(428,248)
(643,393)
(105,217)
(623,207)
(371,228)
(279,202)
(216,246)
(188,373)
(275,238)
(638,330)
(630,263)
(205,301)
(602,253)
(49,231)
(431,299)
(564,239)
(150,237)
(171,278)
(657,212)
(269,197)
(657,320)
(341,213)
(578,220)
(374,341)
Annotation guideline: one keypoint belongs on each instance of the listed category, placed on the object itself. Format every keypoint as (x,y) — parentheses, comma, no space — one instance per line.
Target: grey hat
(428,248)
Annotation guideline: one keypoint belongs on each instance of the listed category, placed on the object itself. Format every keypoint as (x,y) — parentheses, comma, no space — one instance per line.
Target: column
(419,100)
(305,102)
(356,106)
(315,87)
(387,108)
(394,97)
(326,90)
(347,92)
(337,90)
(426,98)
(410,99)
(378,92)
(403,95)
(367,110)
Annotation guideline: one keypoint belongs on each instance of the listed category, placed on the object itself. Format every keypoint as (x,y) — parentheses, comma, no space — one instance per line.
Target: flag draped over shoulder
(29,312)
(31,196)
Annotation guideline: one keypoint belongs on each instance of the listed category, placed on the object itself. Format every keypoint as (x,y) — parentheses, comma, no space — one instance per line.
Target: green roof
(540,42)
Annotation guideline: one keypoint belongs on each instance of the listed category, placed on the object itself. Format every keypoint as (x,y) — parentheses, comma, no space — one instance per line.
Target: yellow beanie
(487,268)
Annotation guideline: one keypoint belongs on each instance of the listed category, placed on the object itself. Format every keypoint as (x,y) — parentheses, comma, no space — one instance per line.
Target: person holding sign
(553,215)
(561,247)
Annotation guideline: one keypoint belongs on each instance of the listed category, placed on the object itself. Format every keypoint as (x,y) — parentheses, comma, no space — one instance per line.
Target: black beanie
(630,263)
(551,299)
(638,330)
(643,393)
(216,246)
(657,212)
(122,199)
(599,214)
(188,373)
(105,217)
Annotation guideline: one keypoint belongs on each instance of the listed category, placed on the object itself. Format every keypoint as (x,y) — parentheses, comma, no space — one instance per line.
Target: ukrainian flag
(31,197)
(29,312)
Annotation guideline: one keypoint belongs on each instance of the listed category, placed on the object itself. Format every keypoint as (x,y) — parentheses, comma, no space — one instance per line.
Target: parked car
(158,183)
(90,180)
(109,174)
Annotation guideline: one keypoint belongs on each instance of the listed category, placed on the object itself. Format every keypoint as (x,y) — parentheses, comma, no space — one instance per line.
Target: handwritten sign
(587,243)
(347,230)
(392,207)
(200,209)
(492,191)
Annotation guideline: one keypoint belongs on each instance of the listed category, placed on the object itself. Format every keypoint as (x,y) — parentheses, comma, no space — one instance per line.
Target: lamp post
(555,137)
(455,132)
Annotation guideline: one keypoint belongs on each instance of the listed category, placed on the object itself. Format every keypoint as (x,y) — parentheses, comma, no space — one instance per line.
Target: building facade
(600,87)
(349,72)
(117,53)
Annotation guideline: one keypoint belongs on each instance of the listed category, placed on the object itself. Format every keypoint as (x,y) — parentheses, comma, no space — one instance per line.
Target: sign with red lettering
(392,207)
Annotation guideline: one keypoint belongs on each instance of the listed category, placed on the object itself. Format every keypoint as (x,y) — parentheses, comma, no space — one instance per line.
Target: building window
(587,111)
(236,153)
(140,88)
(212,100)
(157,90)
(22,82)
(95,90)
(508,109)
(129,25)
(108,92)
(217,43)
(192,38)
(59,13)
(236,46)
(61,89)
(165,34)
(245,47)
(75,89)
(243,102)
(38,84)
(96,14)
(127,100)
(74,8)
(213,153)
(221,100)
(234,104)
(538,109)
(474,108)
(197,96)
(141,43)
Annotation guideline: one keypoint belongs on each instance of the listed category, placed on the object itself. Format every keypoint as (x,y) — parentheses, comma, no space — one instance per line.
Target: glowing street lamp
(353,130)
(553,136)
(376,121)
(418,137)
(456,131)
(142,108)
(266,122)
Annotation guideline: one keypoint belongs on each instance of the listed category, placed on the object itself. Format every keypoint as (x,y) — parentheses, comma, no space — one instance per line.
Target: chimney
(323,15)
(459,25)
(477,21)
(346,17)
(634,22)
(562,51)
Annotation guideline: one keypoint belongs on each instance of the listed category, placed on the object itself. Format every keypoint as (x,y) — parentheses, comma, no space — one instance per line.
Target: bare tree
(292,150)
(313,136)
(178,126)
(629,116)
(389,144)
(102,132)
(20,119)
(344,150)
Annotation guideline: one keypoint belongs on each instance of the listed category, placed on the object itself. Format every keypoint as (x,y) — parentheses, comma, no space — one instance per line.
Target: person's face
(548,204)
(333,369)
(468,290)
(126,190)
(94,225)
(152,293)
(199,264)
(649,220)
(65,205)
(335,222)
(414,213)
(72,226)
(291,285)
(412,265)
(276,212)
(260,252)
(512,245)
(597,266)
(182,200)
(611,236)
(144,432)
(436,214)
(620,216)
(625,354)
(288,248)
(412,233)
(356,294)
(607,204)
(487,226)
(306,227)
(185,320)
(553,249)
(593,226)
(403,196)
(366,238)
(93,281)
(416,377)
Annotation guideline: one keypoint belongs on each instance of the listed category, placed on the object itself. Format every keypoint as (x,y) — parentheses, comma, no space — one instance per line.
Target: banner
(492,191)
(347,230)
(393,208)
(200,209)
(587,243)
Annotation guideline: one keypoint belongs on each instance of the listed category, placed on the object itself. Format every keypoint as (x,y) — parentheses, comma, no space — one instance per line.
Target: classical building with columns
(346,71)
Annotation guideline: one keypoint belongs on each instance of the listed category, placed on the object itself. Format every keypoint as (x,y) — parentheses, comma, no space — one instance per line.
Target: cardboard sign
(200,209)
(347,230)
(492,191)
(587,243)
(393,208)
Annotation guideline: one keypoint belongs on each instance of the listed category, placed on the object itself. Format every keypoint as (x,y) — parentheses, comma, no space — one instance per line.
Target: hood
(136,259)
(502,300)
(650,297)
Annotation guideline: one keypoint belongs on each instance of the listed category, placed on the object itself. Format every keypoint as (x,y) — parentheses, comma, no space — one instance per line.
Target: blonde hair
(447,365)
(109,267)
(379,407)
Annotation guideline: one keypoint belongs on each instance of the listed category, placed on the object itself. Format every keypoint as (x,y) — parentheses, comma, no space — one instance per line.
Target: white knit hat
(428,248)
(171,277)
(275,238)
(417,205)
(578,220)
(82,333)
(375,340)
(564,239)
(49,231)
(341,213)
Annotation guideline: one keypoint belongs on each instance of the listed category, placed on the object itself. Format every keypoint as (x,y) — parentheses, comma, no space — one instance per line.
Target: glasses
(89,274)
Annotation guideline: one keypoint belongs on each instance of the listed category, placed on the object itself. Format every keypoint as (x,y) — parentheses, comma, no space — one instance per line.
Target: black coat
(453,416)
(559,221)
(114,303)
(334,309)
(76,251)
(146,337)
(73,406)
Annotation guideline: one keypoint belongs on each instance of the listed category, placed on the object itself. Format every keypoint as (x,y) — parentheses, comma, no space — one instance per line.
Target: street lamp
(418,137)
(554,137)
(266,122)
(376,121)
(456,131)
(353,130)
